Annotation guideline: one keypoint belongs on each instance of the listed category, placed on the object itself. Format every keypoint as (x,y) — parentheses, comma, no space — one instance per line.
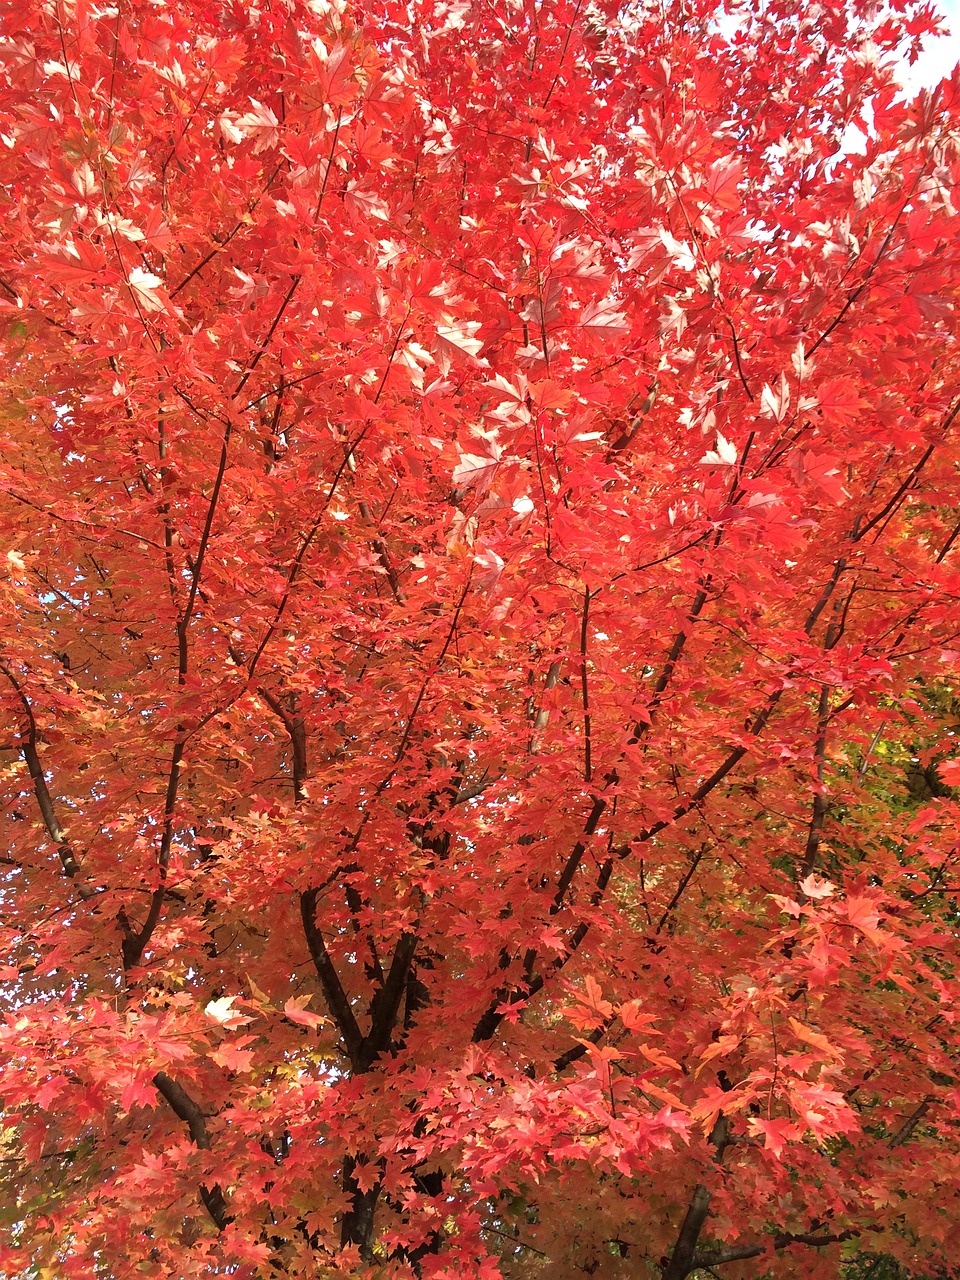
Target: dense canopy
(479,596)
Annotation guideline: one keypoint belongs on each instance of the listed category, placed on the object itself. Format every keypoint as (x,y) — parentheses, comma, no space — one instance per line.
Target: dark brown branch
(475,789)
(738,358)
(87,524)
(37,311)
(267,338)
(681,1261)
(681,888)
(577,1051)
(563,54)
(386,1002)
(28,746)
(296,564)
(739,1253)
(222,244)
(815,828)
(906,1130)
(135,941)
(639,730)
(383,555)
(577,853)
(824,598)
(185,1109)
(880,255)
(490,1019)
(357,1224)
(364,1050)
(294,724)
(625,438)
(336,997)
(585,691)
(673,657)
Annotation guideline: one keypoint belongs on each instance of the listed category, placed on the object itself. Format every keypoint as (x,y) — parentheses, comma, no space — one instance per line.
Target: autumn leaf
(776,403)
(489,567)
(144,286)
(814,887)
(602,321)
(480,581)
(725,454)
(295,1010)
(139,1091)
(839,400)
(813,1038)
(632,1017)
(822,470)
(775,1133)
(233,1057)
(862,913)
(260,124)
(222,1013)
(477,470)
(456,343)
(721,184)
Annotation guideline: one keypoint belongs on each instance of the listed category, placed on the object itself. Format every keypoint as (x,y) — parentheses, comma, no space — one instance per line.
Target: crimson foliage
(478,501)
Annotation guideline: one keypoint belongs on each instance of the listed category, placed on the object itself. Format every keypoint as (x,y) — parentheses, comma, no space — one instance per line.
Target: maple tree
(479,640)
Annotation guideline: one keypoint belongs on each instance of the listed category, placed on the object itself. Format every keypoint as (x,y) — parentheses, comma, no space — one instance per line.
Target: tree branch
(680,1262)
(135,941)
(905,1132)
(333,991)
(386,1002)
(185,1109)
(28,746)
(738,1253)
